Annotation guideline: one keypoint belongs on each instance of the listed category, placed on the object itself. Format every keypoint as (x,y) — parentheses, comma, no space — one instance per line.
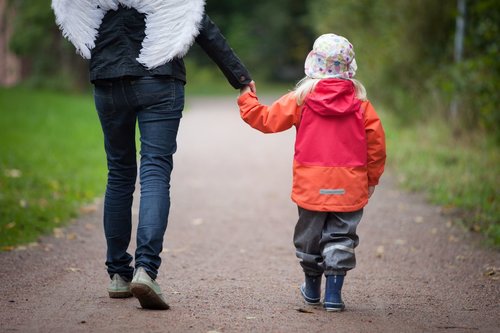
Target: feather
(79,22)
(171,25)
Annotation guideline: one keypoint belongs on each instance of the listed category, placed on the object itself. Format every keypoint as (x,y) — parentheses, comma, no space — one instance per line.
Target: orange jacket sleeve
(279,116)
(375,137)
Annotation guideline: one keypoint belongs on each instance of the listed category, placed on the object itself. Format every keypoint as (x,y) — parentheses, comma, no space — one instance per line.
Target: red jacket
(339,148)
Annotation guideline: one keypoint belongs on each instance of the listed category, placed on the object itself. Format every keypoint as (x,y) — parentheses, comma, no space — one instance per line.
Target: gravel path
(229,264)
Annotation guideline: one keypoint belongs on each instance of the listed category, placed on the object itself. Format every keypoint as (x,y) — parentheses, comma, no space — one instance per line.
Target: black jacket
(119,42)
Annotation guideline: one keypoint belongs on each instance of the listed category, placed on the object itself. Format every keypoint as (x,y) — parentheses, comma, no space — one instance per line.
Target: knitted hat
(332,56)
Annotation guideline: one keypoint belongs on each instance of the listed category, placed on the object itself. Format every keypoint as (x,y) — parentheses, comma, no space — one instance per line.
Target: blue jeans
(155,104)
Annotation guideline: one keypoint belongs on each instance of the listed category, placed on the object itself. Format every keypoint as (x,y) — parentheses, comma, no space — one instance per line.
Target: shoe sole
(334,309)
(119,294)
(147,297)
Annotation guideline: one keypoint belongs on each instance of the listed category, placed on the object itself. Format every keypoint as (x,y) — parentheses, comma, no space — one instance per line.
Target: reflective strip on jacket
(339,148)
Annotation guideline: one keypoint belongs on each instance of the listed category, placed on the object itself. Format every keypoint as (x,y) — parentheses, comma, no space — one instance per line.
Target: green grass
(462,175)
(51,161)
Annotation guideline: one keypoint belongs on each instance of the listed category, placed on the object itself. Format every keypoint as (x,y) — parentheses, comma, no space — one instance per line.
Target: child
(339,158)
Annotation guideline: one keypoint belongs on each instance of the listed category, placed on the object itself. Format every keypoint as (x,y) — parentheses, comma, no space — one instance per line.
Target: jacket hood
(333,98)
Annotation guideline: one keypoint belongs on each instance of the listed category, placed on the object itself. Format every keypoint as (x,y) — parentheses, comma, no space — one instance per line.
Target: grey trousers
(325,241)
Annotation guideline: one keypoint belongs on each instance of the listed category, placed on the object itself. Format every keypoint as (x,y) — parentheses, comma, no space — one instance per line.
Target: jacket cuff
(242,99)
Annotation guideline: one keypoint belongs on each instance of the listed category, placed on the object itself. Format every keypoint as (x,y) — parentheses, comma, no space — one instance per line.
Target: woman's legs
(118,121)
(157,104)
(161,102)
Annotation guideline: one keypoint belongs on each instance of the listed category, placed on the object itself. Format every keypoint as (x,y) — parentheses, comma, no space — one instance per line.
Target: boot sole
(147,297)
(340,307)
(119,294)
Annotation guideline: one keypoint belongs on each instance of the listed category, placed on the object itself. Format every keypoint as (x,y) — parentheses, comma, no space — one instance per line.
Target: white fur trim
(171,25)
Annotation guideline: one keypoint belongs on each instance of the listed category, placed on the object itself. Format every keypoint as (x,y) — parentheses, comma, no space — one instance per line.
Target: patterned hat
(332,56)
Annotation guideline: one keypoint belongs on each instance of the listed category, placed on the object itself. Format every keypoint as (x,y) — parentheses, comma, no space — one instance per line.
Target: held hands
(249,88)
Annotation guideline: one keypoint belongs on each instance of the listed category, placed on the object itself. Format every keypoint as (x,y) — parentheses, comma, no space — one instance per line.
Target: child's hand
(245,90)
(253,87)
(249,88)
(371,189)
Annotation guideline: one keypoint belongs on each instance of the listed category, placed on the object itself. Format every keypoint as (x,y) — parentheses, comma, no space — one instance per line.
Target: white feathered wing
(171,25)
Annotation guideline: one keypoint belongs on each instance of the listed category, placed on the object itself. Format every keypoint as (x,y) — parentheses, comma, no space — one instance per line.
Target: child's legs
(338,242)
(307,237)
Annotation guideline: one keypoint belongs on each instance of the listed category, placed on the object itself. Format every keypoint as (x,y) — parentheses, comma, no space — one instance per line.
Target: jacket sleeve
(279,116)
(376,144)
(216,47)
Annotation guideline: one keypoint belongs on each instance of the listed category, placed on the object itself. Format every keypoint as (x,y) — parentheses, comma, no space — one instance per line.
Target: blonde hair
(307,85)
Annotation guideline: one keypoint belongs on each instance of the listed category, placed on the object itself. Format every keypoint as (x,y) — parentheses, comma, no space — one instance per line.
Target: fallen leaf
(460,258)
(452,239)
(492,272)
(7,248)
(90,226)
(434,231)
(379,252)
(197,222)
(418,219)
(71,236)
(88,209)
(400,242)
(58,233)
(302,310)
(73,269)
(179,250)
(13,173)
(43,203)
(23,203)
(475,228)
(10,225)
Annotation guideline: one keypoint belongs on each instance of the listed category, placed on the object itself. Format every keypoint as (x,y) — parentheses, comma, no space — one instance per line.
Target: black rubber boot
(311,289)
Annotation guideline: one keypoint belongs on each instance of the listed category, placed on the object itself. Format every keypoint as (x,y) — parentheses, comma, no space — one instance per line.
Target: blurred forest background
(424,61)
(405,49)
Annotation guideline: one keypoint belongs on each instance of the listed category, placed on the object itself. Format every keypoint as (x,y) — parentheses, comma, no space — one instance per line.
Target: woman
(135,50)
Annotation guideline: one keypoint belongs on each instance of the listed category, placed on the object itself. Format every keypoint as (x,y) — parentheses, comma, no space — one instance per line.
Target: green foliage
(405,54)
(404,50)
(398,44)
(271,37)
(477,79)
(460,176)
(30,25)
(51,161)
(49,60)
